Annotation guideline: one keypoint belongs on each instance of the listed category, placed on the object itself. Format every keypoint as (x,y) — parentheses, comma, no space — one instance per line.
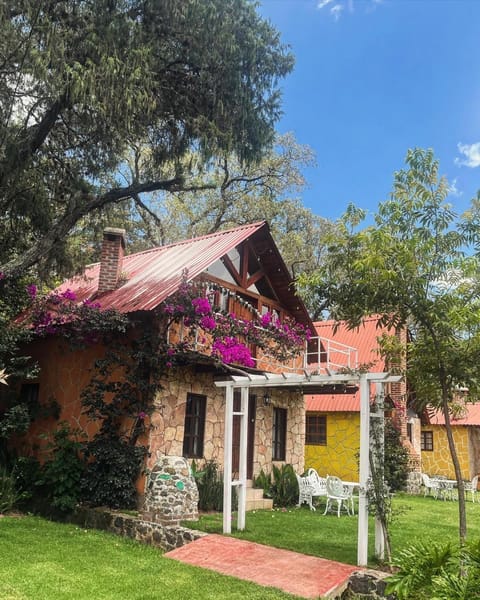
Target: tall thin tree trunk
(462,514)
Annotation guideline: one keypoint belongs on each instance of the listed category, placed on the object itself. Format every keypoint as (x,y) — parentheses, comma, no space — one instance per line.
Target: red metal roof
(470,416)
(333,403)
(153,275)
(364,338)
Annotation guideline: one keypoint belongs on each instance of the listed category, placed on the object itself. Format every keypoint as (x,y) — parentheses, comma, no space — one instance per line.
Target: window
(426,440)
(194,426)
(279,433)
(29,393)
(316,429)
(410,431)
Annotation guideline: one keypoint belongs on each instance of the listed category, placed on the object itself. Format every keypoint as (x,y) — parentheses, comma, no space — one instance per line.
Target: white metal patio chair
(305,492)
(351,497)
(336,492)
(471,486)
(431,486)
(319,484)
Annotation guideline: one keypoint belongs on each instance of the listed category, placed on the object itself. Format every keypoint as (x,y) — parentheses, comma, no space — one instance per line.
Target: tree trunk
(462,514)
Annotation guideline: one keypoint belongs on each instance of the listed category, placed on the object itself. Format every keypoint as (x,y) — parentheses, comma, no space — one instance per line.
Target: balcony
(321,356)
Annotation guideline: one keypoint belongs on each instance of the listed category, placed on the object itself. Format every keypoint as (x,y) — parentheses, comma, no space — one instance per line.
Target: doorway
(252,409)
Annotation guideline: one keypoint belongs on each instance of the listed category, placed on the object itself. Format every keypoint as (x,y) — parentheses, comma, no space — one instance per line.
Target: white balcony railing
(323,355)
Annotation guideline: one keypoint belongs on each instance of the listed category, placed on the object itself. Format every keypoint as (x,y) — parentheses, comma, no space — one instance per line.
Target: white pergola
(244,383)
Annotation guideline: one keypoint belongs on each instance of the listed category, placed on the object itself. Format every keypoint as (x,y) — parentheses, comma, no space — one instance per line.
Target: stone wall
(293,401)
(439,461)
(339,456)
(368,585)
(414,483)
(146,532)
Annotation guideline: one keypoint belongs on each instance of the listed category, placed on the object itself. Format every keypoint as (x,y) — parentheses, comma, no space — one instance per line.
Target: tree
(226,193)
(82,81)
(418,267)
(230,193)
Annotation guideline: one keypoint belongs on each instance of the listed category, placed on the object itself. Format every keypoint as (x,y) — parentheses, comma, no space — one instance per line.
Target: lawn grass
(415,518)
(42,560)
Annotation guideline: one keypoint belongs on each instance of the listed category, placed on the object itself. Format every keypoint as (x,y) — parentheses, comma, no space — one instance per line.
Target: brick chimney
(113,248)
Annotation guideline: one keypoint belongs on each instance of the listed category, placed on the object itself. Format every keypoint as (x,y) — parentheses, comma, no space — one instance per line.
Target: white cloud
(453,189)
(336,11)
(337,7)
(471,152)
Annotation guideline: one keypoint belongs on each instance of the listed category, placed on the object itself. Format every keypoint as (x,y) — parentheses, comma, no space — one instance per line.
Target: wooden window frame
(316,429)
(194,426)
(426,441)
(279,434)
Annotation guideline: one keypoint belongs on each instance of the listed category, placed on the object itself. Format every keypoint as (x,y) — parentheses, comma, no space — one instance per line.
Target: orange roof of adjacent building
(469,416)
(364,339)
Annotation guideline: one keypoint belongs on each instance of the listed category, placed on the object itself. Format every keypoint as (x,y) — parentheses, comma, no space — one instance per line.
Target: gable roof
(154,275)
(364,339)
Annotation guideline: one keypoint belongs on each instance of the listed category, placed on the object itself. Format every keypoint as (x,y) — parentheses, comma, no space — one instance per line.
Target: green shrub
(60,476)
(110,476)
(280,485)
(264,482)
(209,482)
(396,465)
(431,570)
(27,473)
(417,566)
(9,495)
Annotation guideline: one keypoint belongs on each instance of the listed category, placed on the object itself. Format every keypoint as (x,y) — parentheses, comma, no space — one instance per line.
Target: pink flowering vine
(231,351)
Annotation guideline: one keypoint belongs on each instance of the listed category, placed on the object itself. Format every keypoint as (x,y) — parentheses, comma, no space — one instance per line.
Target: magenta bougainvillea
(224,336)
(228,337)
(230,350)
(61,314)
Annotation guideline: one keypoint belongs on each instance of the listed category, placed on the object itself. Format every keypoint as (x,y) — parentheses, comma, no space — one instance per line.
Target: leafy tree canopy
(84,81)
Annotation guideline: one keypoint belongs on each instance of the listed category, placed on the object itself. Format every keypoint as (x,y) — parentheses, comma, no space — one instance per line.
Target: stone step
(255,500)
(254,493)
(263,504)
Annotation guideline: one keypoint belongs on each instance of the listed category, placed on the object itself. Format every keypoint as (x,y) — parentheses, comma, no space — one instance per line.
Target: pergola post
(227,461)
(362,542)
(242,478)
(379,458)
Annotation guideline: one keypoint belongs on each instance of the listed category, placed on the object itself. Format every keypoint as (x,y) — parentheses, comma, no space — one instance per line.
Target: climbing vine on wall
(139,350)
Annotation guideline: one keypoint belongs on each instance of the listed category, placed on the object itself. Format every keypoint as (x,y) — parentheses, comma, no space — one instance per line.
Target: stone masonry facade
(168,418)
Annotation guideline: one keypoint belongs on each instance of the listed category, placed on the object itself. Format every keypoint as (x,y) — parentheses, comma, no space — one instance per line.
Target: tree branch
(80,205)
(32,141)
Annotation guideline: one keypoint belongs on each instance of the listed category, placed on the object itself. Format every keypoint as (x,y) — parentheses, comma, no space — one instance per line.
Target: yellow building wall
(339,456)
(439,461)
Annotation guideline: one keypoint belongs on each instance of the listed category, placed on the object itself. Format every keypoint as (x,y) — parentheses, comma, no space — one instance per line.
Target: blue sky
(374,78)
